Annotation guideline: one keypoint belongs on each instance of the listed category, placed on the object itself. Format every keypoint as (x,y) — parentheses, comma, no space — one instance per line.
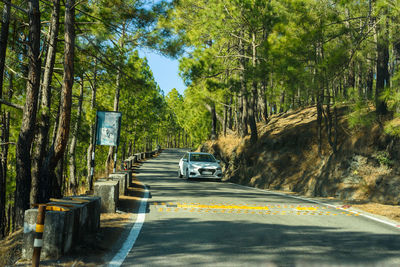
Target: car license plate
(207,173)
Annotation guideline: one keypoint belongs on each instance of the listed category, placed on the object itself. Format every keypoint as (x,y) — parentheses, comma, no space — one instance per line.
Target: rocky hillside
(286,158)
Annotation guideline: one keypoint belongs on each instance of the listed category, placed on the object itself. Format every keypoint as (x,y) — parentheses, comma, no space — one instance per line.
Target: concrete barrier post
(93,204)
(122,178)
(138,156)
(57,234)
(79,215)
(128,174)
(129,163)
(108,191)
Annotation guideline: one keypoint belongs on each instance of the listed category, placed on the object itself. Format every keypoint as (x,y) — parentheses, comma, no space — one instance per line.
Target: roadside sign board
(108,128)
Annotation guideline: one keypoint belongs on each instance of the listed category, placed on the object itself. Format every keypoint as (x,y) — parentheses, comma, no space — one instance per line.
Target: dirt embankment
(285,157)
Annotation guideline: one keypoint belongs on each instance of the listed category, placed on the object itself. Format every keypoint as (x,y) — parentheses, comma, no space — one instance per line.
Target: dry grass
(280,122)
(228,142)
(390,211)
(10,248)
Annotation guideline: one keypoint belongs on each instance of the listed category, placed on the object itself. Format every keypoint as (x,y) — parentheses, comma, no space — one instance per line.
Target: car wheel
(187,175)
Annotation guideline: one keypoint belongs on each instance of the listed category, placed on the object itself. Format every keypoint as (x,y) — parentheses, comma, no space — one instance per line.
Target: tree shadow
(243,243)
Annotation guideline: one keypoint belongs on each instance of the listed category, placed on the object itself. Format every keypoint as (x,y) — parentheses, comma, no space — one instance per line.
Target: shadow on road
(284,244)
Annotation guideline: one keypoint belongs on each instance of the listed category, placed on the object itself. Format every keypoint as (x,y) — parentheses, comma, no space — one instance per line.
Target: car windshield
(202,157)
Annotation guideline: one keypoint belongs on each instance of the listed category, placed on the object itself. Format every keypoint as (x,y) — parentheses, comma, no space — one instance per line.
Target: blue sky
(165,71)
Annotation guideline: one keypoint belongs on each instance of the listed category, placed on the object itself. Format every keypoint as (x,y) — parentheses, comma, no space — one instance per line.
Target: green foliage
(361,115)
(384,158)
(392,127)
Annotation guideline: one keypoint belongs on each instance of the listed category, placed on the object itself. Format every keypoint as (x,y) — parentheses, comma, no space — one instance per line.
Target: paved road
(201,223)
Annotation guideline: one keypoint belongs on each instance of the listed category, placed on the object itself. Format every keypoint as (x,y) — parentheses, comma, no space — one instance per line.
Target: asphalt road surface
(206,223)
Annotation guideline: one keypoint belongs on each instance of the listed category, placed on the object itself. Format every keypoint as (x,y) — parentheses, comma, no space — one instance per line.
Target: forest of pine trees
(248,59)
(60,62)
(242,61)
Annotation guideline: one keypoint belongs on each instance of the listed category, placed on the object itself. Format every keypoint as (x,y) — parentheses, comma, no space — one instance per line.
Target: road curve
(207,223)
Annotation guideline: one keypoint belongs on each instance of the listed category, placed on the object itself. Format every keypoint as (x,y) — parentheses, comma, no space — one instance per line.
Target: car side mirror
(218,161)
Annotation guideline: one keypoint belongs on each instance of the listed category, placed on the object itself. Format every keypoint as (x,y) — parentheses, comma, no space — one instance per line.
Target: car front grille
(202,170)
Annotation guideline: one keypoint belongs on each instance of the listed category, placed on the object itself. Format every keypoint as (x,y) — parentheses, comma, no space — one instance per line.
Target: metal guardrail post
(38,243)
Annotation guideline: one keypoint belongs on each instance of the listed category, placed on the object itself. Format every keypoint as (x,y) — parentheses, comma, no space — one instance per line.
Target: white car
(199,165)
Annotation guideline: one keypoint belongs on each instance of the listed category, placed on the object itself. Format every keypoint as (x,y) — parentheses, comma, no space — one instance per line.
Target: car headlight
(219,169)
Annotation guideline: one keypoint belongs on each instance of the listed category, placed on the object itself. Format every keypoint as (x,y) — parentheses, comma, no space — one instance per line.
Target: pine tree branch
(14,6)
(8,143)
(16,106)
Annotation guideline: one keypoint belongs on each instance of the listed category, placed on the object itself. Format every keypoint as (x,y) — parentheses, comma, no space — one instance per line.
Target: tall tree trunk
(130,148)
(3,167)
(370,83)
(213,122)
(238,107)
(319,122)
(5,134)
(57,181)
(63,128)
(262,102)
(4,153)
(382,72)
(243,92)
(230,117)
(23,155)
(174,140)
(252,119)
(124,151)
(39,183)
(9,218)
(91,148)
(225,125)
(72,157)
(253,102)
(3,42)
(282,102)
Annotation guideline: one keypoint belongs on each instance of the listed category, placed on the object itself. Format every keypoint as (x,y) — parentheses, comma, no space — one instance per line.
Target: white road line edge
(322,203)
(133,234)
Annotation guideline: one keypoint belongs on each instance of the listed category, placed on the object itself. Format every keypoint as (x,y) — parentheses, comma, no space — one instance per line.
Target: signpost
(108,128)
(107,132)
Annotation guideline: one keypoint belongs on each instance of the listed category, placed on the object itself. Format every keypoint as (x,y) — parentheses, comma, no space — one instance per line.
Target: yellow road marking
(222,207)
(248,209)
(306,208)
